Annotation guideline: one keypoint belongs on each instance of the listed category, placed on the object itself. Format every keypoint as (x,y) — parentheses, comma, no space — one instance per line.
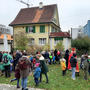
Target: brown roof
(59,34)
(34,15)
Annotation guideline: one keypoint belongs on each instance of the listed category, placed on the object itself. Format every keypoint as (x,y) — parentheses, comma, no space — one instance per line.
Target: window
(42,41)
(30,29)
(53,29)
(57,39)
(31,41)
(42,29)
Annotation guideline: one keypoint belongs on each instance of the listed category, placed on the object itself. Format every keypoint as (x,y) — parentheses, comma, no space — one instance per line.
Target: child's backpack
(5,59)
(22,64)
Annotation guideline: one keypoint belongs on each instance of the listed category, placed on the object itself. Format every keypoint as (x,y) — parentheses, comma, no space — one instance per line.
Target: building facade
(37,23)
(77,32)
(86,29)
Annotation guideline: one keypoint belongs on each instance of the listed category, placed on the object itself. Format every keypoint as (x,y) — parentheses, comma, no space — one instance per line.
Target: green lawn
(56,80)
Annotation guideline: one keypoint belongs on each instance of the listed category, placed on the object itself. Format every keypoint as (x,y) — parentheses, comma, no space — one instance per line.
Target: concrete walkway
(13,87)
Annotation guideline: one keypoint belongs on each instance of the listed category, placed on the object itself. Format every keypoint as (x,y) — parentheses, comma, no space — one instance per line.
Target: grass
(56,80)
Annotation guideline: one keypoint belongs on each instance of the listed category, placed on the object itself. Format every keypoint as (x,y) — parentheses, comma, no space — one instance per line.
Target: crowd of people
(22,64)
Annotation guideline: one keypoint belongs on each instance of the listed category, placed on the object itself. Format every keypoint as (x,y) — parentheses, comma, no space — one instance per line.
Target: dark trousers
(7,71)
(36,81)
(63,72)
(45,76)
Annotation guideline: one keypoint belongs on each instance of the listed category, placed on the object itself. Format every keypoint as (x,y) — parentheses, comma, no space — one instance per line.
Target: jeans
(36,81)
(15,80)
(24,83)
(73,72)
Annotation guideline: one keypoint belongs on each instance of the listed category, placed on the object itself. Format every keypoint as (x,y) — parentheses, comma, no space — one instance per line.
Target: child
(17,75)
(53,59)
(50,59)
(37,73)
(63,66)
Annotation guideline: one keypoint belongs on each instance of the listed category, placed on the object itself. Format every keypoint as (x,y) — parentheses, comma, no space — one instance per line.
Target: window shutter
(42,29)
(58,38)
(33,29)
(26,29)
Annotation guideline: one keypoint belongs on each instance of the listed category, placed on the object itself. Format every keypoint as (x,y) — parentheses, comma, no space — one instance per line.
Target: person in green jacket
(6,64)
(44,68)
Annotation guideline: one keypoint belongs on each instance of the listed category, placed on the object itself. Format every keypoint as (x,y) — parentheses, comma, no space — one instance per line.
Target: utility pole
(26,3)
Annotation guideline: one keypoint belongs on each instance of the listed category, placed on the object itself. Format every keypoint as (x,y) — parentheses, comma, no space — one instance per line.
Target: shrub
(82,45)
(60,46)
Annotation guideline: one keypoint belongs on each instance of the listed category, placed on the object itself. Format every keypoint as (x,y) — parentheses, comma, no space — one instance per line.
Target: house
(38,23)
(60,36)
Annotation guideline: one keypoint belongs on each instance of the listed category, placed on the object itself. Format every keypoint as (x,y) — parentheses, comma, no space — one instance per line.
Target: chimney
(41,5)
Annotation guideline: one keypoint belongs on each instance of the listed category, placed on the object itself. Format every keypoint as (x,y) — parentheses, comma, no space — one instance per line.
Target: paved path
(13,87)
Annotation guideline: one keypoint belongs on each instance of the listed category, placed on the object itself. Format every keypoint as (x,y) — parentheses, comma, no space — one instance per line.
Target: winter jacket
(24,73)
(46,55)
(37,72)
(85,65)
(63,65)
(44,68)
(1,66)
(17,73)
(73,61)
(8,63)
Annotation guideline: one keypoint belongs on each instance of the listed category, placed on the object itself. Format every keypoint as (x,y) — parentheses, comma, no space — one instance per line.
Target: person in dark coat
(85,67)
(17,75)
(55,54)
(44,68)
(73,63)
(66,58)
(17,57)
(46,56)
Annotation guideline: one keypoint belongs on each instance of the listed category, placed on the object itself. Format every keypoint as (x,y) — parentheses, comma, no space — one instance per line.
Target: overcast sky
(72,13)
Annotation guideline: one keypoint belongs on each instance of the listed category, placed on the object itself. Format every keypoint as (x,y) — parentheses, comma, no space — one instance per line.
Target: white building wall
(67,43)
(75,32)
(2,47)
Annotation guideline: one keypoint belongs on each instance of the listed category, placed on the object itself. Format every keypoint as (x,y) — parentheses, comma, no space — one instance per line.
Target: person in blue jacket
(37,73)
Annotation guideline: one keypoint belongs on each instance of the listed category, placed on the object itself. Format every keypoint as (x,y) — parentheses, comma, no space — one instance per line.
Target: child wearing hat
(63,66)
(37,73)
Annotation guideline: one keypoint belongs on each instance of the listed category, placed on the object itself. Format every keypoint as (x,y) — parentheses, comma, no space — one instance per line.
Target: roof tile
(59,34)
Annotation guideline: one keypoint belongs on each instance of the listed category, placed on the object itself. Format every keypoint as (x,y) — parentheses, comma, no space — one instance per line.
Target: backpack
(22,64)
(5,59)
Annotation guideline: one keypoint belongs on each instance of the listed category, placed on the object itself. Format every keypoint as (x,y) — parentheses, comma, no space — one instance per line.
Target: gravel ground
(13,87)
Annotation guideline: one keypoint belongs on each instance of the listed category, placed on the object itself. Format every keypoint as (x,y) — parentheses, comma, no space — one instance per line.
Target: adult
(44,68)
(66,58)
(6,64)
(17,57)
(85,66)
(46,56)
(73,62)
(24,66)
(70,55)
